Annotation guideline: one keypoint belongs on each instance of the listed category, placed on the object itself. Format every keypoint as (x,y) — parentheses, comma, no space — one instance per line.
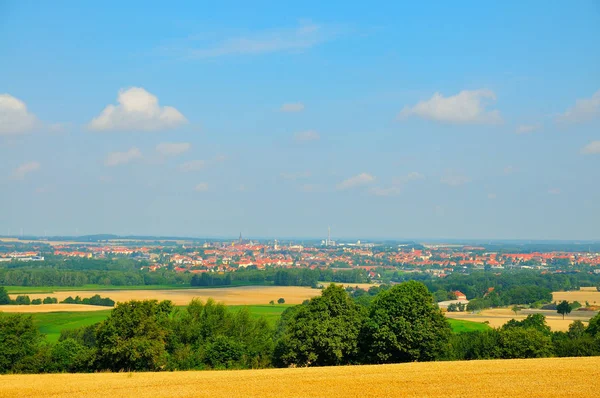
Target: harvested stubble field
(245,295)
(578,377)
(497,317)
(593,297)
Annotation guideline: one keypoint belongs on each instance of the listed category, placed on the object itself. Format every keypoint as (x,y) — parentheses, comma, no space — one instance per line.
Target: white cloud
(585,109)
(20,172)
(14,116)
(454,180)
(295,176)
(464,107)
(305,36)
(292,107)
(202,187)
(593,148)
(309,135)
(117,158)
(193,165)
(173,148)
(528,128)
(356,181)
(137,110)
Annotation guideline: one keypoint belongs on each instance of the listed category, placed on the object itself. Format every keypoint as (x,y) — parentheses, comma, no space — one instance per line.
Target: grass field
(459,326)
(579,377)
(52,323)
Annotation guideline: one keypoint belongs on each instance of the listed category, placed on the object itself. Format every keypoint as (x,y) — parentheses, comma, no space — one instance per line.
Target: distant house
(459,295)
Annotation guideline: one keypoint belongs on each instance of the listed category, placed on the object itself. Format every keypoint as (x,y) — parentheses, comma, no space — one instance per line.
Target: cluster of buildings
(438,260)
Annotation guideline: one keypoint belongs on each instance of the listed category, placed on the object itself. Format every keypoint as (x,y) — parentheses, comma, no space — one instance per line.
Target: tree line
(399,324)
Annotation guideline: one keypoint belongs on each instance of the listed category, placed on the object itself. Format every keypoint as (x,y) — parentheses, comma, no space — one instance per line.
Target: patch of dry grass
(52,308)
(246,295)
(578,377)
(497,317)
(593,297)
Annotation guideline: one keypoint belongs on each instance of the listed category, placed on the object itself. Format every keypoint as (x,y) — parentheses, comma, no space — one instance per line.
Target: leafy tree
(323,331)
(533,321)
(404,325)
(134,336)
(564,308)
(272,302)
(50,300)
(19,341)
(223,352)
(37,301)
(22,300)
(516,309)
(281,300)
(593,328)
(524,343)
(576,330)
(69,355)
(4,297)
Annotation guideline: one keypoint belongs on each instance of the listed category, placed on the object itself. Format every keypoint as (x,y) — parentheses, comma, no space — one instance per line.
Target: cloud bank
(463,108)
(137,110)
(14,116)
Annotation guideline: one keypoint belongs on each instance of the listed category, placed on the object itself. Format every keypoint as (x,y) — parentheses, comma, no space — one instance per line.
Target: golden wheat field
(593,297)
(497,317)
(550,377)
(246,295)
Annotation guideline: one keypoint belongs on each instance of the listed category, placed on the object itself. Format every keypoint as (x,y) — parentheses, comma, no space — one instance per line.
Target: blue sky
(380,119)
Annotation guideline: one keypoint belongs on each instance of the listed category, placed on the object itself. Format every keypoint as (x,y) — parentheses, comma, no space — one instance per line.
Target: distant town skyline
(195,120)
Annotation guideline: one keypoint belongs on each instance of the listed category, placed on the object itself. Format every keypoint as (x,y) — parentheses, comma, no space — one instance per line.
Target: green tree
(324,331)
(524,343)
(134,336)
(593,328)
(4,297)
(404,325)
(19,341)
(564,308)
(516,309)
(576,329)
(22,300)
(281,300)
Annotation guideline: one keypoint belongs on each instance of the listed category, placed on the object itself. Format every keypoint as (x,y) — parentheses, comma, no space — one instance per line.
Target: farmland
(51,323)
(497,317)
(246,295)
(591,296)
(579,377)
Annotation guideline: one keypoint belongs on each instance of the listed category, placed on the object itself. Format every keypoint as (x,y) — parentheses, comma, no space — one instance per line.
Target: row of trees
(94,300)
(399,324)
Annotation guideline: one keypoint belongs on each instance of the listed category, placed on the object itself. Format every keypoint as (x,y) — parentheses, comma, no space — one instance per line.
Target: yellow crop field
(549,377)
(246,295)
(593,297)
(499,316)
(52,308)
